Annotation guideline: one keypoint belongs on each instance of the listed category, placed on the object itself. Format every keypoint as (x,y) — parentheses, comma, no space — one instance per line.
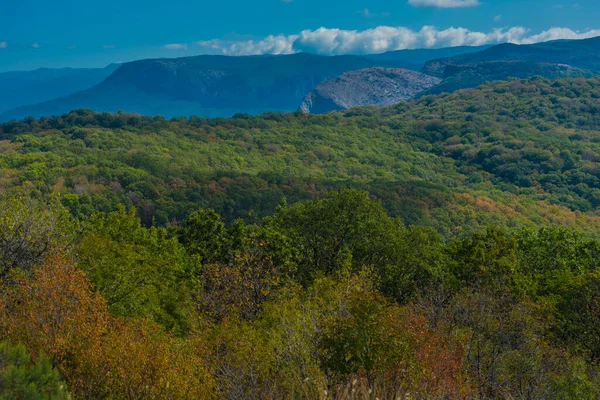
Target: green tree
(365,338)
(487,259)
(553,256)
(30,230)
(578,321)
(141,272)
(23,379)
(347,230)
(204,235)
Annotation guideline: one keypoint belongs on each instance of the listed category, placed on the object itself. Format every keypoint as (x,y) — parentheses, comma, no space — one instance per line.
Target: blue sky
(58,33)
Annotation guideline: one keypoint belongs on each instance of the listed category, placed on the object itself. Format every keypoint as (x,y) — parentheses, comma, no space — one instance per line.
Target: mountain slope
(416,59)
(370,86)
(205,85)
(583,54)
(474,67)
(21,88)
(469,76)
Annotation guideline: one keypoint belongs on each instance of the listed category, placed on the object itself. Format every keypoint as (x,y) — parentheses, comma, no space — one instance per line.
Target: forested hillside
(510,153)
(443,248)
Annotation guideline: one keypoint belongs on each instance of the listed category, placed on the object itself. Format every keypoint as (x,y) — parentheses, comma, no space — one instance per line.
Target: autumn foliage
(442,360)
(56,312)
(375,310)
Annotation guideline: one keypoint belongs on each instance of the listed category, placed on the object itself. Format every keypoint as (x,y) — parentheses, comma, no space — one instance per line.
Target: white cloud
(176,46)
(108,46)
(444,3)
(497,17)
(3,45)
(560,33)
(36,45)
(279,44)
(384,38)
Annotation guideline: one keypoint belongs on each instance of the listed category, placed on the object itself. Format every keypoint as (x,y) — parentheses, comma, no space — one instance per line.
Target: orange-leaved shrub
(56,312)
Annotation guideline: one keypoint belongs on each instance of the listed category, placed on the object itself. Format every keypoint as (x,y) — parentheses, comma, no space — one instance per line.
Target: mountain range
(472,75)
(20,88)
(561,59)
(201,85)
(223,85)
(415,59)
(205,85)
(584,54)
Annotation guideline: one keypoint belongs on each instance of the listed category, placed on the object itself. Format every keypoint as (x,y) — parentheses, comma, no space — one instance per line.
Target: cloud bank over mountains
(384,38)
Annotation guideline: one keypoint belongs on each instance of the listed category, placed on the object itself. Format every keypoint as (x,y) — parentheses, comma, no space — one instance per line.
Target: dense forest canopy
(514,153)
(328,298)
(443,248)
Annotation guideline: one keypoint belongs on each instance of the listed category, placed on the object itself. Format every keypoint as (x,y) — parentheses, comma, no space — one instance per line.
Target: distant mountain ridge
(371,86)
(463,71)
(21,88)
(223,85)
(205,85)
(584,54)
(415,59)
(219,85)
(472,75)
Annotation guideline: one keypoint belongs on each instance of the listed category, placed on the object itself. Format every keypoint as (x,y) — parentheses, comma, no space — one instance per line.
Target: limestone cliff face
(370,86)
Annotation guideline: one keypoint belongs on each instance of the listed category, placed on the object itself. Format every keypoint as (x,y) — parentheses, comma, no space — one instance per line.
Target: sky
(92,33)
